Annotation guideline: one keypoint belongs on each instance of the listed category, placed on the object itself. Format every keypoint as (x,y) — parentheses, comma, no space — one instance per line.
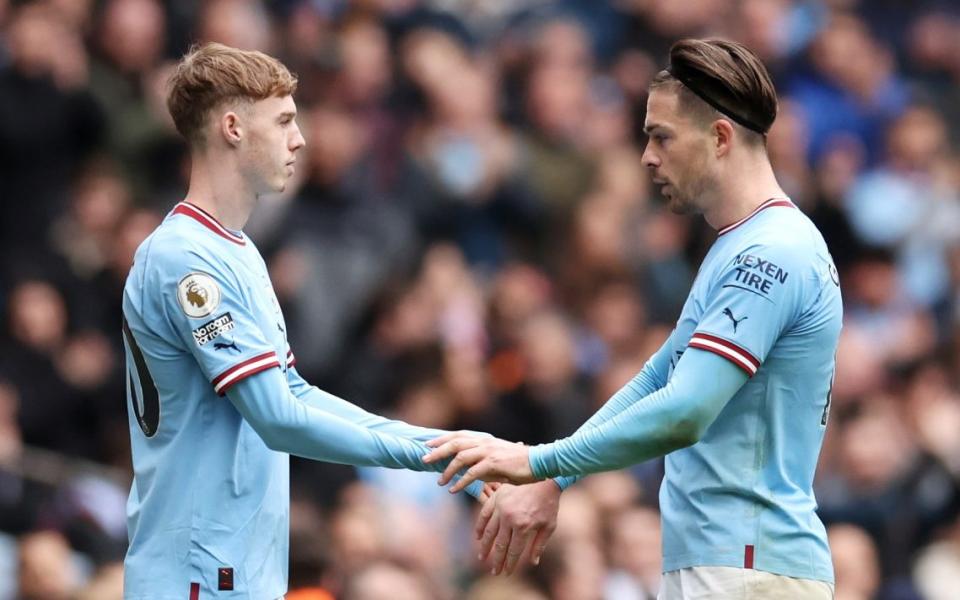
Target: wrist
(548,493)
(542,459)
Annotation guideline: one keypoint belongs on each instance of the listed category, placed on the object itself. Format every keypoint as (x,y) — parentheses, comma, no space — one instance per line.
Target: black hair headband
(719,96)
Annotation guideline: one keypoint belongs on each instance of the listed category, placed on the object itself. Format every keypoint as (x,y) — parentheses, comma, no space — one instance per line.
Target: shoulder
(777,253)
(175,263)
(785,236)
(174,247)
(185,272)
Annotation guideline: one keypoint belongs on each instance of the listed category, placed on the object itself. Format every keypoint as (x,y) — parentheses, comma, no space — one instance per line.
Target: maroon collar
(207,220)
(768,204)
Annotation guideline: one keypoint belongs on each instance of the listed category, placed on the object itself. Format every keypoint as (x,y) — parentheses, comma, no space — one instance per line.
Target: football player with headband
(737,399)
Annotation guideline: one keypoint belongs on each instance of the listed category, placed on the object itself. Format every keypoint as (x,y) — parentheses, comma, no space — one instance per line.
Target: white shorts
(729,583)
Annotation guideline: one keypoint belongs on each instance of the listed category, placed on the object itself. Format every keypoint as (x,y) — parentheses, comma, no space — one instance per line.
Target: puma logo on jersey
(735,320)
(224,346)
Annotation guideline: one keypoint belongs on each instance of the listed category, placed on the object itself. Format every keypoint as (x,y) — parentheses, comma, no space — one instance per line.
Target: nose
(297,141)
(649,158)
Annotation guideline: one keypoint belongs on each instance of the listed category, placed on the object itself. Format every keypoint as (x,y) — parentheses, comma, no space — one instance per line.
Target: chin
(682,207)
(271,190)
(279,185)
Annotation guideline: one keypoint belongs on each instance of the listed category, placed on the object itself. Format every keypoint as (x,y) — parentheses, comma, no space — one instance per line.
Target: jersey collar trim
(768,204)
(208,221)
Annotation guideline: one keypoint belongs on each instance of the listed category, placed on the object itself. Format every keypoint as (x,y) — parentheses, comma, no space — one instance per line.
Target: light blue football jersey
(767,298)
(208,508)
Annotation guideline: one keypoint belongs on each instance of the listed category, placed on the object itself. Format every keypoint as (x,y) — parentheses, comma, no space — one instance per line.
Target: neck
(217,187)
(741,190)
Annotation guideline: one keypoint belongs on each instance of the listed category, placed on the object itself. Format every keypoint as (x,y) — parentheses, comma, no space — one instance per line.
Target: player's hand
(486,459)
(516,523)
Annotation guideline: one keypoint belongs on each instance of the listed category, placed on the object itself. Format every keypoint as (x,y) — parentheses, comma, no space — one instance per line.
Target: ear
(723,137)
(231,128)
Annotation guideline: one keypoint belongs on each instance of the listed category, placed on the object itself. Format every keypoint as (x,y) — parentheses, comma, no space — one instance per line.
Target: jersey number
(146,407)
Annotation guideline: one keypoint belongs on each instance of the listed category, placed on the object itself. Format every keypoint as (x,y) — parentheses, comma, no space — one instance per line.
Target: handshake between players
(515,522)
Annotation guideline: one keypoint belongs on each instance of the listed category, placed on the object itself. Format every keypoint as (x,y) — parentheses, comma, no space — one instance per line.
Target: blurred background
(472,242)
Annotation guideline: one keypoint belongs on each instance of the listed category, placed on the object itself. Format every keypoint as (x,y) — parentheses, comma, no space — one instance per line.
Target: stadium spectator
(46,570)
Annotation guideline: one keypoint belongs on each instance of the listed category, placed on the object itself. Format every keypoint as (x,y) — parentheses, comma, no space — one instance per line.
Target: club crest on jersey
(198,294)
(211,330)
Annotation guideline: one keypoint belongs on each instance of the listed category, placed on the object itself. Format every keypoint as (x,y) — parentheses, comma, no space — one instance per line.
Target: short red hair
(212,74)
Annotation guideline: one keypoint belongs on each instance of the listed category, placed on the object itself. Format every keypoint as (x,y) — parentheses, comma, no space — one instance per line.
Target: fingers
(518,546)
(483,519)
(481,470)
(539,544)
(466,458)
(489,489)
(449,448)
(529,513)
(443,439)
(490,532)
(500,547)
(445,450)
(486,492)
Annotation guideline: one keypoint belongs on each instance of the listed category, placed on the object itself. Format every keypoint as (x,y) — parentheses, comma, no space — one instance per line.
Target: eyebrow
(290,113)
(648,128)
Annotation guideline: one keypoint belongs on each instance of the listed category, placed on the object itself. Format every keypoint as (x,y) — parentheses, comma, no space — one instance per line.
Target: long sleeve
(651,378)
(327,402)
(317,398)
(673,417)
(288,424)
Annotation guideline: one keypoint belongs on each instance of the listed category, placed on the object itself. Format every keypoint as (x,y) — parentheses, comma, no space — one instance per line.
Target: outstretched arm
(287,424)
(669,419)
(651,378)
(325,401)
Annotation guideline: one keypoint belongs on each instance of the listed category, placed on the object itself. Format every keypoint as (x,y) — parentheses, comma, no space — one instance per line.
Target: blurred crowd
(471,242)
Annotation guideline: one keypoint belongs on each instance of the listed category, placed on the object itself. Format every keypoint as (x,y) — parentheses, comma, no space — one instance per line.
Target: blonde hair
(212,74)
